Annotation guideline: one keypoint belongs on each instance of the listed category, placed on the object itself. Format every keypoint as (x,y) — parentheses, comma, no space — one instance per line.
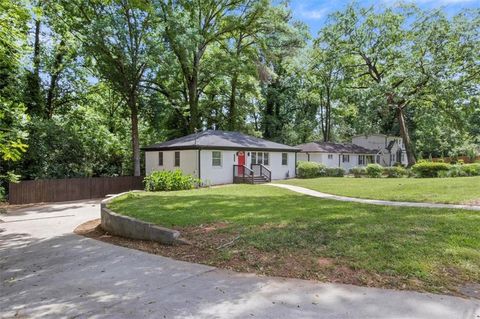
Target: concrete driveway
(46,271)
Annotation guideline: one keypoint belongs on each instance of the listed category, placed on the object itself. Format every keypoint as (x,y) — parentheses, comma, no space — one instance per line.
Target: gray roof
(390,145)
(215,139)
(325,147)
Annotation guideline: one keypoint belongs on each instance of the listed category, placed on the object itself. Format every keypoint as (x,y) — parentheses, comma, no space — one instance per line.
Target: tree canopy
(83,84)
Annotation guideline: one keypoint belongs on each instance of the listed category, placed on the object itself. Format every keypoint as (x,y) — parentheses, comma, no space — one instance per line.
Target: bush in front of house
(309,169)
(461,170)
(430,169)
(453,171)
(333,172)
(471,169)
(374,170)
(358,172)
(169,181)
(395,171)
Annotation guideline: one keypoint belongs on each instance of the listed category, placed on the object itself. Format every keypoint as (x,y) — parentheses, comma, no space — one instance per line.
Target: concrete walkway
(48,272)
(310,192)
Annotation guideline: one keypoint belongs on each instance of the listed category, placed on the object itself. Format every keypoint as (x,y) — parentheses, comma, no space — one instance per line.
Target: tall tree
(117,35)
(190,28)
(402,54)
(283,40)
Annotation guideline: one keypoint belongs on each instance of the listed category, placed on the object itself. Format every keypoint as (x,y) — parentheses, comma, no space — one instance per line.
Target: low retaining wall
(129,227)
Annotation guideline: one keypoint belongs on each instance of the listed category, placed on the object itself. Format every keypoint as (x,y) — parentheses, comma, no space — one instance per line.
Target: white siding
(321,158)
(373,142)
(278,170)
(215,175)
(353,162)
(188,162)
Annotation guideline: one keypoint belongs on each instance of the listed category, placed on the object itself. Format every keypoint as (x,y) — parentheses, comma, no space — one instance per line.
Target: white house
(220,157)
(364,149)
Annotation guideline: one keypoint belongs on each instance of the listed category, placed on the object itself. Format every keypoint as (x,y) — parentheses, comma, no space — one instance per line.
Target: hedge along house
(220,157)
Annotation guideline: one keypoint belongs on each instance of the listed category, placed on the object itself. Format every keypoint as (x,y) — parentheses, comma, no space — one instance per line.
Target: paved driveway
(46,271)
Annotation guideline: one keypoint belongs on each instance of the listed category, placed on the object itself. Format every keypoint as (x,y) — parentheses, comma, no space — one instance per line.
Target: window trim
(284,159)
(329,156)
(259,158)
(266,158)
(361,160)
(220,158)
(347,157)
(160,158)
(175,164)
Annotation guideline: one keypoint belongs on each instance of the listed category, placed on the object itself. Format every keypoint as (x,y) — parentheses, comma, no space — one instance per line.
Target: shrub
(471,169)
(169,181)
(454,171)
(374,170)
(395,171)
(358,171)
(334,172)
(429,169)
(309,169)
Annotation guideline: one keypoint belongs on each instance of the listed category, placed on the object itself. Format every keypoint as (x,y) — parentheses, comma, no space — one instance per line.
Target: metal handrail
(265,172)
(250,174)
(269,175)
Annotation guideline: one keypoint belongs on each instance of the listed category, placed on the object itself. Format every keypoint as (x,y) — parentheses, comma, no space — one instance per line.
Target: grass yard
(267,230)
(459,190)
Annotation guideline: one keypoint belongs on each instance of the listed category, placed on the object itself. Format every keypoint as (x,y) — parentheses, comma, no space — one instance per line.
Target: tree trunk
(328,108)
(405,137)
(132,102)
(193,104)
(36,49)
(54,79)
(33,96)
(232,107)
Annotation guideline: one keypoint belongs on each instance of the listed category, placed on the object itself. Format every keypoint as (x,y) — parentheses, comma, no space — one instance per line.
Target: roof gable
(216,139)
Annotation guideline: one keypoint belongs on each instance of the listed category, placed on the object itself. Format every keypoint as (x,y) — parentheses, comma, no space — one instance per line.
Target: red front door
(241,161)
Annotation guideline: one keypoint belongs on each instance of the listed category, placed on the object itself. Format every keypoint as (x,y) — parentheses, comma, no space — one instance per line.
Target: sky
(315,12)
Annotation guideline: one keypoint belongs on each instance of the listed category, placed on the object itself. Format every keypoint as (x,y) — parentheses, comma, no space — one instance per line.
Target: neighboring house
(220,157)
(364,149)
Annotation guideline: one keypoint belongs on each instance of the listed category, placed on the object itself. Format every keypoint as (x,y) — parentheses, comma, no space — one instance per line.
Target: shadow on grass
(440,247)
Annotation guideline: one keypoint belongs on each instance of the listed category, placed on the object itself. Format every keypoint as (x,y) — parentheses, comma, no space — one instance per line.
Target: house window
(330,156)
(345,158)
(260,158)
(177,159)
(216,158)
(370,159)
(284,158)
(160,158)
(361,159)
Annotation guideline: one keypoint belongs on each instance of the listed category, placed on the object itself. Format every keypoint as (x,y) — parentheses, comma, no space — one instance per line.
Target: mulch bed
(210,245)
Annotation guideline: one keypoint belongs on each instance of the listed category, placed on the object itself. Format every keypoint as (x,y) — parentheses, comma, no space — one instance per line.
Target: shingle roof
(390,145)
(216,139)
(325,147)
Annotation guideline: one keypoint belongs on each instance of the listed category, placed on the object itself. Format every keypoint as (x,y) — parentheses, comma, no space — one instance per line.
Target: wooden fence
(68,189)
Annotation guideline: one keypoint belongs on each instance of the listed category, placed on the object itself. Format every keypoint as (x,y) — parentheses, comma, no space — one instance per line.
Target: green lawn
(424,249)
(433,190)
